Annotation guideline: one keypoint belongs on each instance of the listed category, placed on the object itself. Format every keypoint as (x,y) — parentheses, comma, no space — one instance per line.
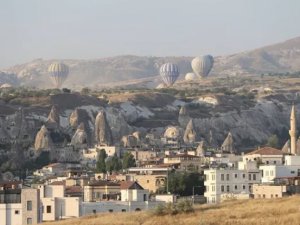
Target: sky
(88,29)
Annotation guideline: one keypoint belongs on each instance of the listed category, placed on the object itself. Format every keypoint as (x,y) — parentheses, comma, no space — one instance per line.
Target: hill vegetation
(244,212)
(283,58)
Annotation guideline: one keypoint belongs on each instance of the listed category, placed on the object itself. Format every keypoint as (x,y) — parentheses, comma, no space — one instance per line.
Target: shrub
(170,209)
(159,210)
(185,206)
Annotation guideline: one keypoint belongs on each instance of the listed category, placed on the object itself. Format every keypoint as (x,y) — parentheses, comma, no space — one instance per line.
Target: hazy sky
(85,29)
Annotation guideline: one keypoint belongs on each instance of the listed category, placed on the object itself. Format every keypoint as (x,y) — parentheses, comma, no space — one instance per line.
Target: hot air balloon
(190,76)
(169,73)
(58,73)
(202,65)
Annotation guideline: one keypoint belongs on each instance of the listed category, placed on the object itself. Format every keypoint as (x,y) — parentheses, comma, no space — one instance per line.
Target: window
(110,210)
(222,188)
(249,176)
(145,197)
(222,176)
(213,177)
(227,176)
(205,177)
(235,176)
(264,196)
(254,176)
(271,196)
(267,162)
(276,196)
(17,212)
(48,208)
(148,181)
(29,206)
(227,188)
(213,188)
(123,210)
(274,162)
(94,211)
(244,187)
(292,172)
(235,187)
(244,176)
(29,220)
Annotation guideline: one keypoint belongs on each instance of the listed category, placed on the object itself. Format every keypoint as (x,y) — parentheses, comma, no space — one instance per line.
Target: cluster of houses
(64,190)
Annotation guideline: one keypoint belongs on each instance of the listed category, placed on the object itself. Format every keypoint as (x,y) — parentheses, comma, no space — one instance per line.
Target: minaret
(293,131)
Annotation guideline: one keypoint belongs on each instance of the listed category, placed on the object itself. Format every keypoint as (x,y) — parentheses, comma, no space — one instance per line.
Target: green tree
(273,141)
(128,160)
(113,164)
(101,166)
(183,183)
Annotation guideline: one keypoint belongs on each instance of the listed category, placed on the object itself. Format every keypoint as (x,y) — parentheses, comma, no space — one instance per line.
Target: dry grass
(284,211)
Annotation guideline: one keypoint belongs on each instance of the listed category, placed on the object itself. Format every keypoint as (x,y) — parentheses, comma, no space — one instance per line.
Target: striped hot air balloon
(58,73)
(202,65)
(169,73)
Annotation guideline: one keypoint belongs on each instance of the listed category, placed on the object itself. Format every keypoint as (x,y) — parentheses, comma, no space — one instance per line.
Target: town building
(19,206)
(230,181)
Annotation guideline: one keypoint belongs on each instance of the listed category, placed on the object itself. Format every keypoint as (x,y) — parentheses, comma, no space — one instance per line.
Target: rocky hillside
(123,70)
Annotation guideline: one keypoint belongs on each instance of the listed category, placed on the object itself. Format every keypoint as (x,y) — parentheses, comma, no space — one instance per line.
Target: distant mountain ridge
(281,57)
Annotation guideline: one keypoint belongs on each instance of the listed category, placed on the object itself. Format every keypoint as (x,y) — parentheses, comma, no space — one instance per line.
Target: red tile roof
(130,185)
(266,151)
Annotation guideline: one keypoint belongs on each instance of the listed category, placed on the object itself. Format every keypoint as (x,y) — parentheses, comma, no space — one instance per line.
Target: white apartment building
(291,168)
(229,181)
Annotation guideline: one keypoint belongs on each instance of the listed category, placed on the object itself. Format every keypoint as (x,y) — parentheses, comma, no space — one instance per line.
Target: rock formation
(129,141)
(103,133)
(183,117)
(286,147)
(137,135)
(43,139)
(53,118)
(74,118)
(80,136)
(227,145)
(189,134)
(200,151)
(172,132)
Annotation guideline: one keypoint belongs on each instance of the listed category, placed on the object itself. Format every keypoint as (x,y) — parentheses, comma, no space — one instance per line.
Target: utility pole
(168,180)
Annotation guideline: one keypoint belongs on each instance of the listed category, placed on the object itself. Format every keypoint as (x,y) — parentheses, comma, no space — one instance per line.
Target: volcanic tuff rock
(227,145)
(190,133)
(103,133)
(80,136)
(129,141)
(43,139)
(53,118)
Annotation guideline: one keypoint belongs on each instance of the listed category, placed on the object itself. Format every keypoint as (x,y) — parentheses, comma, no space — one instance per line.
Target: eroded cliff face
(250,124)
(80,137)
(43,140)
(103,133)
